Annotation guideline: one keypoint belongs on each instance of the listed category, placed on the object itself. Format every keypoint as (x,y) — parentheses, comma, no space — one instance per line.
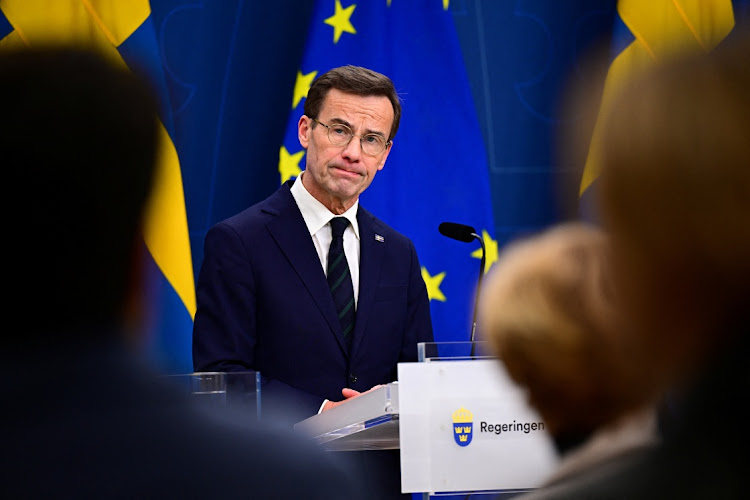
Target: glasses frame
(361,138)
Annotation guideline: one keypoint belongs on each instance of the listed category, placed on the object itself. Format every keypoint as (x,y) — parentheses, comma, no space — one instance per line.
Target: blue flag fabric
(437,169)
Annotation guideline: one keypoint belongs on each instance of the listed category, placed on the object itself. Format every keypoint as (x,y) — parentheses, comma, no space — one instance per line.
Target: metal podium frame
(367,422)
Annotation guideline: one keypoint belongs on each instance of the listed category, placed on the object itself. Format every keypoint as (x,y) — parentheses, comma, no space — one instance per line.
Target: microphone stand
(476,298)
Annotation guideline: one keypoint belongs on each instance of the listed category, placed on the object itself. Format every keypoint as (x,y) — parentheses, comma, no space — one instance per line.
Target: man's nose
(353,150)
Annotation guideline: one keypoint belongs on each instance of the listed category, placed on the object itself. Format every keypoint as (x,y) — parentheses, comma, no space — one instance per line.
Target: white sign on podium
(466,427)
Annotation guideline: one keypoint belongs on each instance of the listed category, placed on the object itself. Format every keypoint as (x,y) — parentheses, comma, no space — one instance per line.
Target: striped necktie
(340,280)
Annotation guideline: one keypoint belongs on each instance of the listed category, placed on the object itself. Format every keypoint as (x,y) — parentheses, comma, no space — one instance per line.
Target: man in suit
(270,288)
(86,416)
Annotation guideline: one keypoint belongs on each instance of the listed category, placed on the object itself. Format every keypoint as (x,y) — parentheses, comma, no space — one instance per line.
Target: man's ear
(385,156)
(304,129)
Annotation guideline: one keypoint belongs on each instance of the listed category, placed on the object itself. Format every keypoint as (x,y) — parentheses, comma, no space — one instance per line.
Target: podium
(221,390)
(461,425)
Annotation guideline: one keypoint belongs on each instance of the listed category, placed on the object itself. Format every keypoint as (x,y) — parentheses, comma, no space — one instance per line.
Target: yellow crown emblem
(462,416)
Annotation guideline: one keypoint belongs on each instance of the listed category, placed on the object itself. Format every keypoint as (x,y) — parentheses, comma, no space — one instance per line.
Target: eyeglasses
(341,135)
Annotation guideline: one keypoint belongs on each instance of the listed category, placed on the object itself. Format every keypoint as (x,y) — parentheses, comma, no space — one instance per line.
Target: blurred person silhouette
(86,416)
(548,312)
(675,198)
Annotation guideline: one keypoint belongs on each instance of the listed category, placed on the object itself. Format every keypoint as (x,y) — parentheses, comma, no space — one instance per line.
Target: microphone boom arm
(467,234)
(476,297)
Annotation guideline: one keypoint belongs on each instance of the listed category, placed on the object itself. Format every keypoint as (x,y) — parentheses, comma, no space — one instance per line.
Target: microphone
(458,232)
(467,234)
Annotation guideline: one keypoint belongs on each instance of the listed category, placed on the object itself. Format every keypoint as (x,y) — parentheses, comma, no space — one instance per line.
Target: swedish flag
(123,32)
(437,170)
(647,33)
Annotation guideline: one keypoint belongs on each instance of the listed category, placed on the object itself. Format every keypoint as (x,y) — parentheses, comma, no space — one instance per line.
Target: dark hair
(353,80)
(79,139)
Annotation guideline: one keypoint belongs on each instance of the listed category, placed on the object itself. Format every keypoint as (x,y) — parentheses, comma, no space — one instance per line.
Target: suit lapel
(371,255)
(288,229)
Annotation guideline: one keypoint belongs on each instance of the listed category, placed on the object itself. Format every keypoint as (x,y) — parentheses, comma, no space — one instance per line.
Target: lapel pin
(379,238)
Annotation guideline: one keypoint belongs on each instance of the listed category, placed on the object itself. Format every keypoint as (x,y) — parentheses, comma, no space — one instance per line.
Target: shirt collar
(315,214)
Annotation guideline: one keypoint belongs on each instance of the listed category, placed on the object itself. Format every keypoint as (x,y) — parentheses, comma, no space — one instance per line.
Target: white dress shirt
(317,218)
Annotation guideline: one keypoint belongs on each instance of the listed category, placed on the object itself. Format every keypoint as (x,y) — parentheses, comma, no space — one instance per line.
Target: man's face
(337,175)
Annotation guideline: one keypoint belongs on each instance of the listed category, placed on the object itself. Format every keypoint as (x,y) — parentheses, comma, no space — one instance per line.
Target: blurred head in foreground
(78,141)
(547,310)
(675,196)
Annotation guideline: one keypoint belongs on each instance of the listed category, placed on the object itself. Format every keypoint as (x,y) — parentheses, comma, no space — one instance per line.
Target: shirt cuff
(321,406)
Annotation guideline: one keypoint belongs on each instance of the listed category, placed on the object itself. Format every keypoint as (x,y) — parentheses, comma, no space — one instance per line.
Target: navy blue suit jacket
(264,304)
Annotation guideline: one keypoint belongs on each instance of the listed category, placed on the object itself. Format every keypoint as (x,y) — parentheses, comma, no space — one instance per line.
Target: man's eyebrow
(341,121)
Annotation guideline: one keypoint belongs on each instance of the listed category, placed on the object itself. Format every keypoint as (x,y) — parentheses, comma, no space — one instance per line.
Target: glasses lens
(373,144)
(339,134)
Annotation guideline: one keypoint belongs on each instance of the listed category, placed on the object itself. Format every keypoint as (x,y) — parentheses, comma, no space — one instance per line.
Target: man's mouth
(346,171)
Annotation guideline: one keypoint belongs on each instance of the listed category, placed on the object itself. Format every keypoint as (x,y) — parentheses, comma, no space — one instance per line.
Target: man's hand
(348,394)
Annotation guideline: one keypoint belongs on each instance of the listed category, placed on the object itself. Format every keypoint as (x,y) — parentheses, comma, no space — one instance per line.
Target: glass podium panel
(234,390)
(453,351)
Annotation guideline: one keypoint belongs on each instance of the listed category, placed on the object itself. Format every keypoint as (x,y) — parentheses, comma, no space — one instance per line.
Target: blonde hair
(548,312)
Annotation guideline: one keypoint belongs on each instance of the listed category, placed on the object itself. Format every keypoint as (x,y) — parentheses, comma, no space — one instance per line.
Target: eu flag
(437,169)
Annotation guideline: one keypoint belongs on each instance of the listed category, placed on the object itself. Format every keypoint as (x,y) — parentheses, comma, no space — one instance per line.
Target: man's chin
(347,190)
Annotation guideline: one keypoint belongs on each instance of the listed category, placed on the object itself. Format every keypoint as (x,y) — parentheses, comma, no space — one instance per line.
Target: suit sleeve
(224,329)
(419,322)
(224,333)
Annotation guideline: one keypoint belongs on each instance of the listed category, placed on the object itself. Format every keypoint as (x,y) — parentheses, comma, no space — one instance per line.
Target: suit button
(352,378)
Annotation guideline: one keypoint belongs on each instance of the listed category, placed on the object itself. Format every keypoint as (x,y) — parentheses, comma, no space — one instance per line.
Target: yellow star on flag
(289,164)
(490,247)
(433,285)
(302,86)
(340,21)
